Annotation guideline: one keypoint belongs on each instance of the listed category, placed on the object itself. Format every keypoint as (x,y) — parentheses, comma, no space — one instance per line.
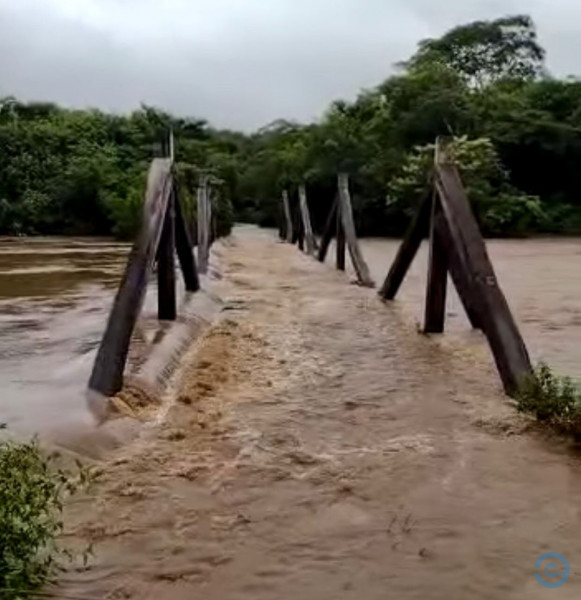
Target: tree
(486,51)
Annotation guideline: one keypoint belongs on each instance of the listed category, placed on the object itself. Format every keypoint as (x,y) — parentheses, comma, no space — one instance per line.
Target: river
(55,294)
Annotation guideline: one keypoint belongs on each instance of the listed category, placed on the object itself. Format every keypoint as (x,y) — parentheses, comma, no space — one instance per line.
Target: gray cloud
(237,63)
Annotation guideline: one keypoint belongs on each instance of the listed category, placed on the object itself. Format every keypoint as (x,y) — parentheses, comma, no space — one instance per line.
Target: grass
(32,492)
(553,400)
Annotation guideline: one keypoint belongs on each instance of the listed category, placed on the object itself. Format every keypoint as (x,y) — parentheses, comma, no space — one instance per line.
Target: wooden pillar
(340,240)
(328,232)
(107,375)
(166,277)
(185,248)
(407,251)
(437,274)
(478,281)
(209,218)
(346,212)
(287,216)
(306,217)
(203,233)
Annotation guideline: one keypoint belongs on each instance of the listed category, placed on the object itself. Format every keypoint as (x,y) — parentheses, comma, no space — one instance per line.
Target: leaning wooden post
(407,251)
(437,274)
(340,262)
(287,216)
(184,247)
(107,374)
(166,279)
(330,227)
(203,232)
(346,211)
(475,279)
(309,237)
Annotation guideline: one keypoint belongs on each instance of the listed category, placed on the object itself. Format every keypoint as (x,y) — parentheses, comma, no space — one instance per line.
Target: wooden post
(328,231)
(166,275)
(307,226)
(346,212)
(209,218)
(203,233)
(437,274)
(107,375)
(340,240)
(184,247)
(478,281)
(287,216)
(407,251)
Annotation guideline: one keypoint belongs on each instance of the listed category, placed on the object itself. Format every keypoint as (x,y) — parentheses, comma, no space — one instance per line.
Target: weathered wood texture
(107,375)
(203,229)
(329,231)
(184,247)
(346,211)
(407,251)
(340,241)
(437,274)
(288,218)
(166,273)
(474,277)
(306,219)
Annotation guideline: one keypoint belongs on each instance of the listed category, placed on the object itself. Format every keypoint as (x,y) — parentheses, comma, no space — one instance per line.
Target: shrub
(551,399)
(32,492)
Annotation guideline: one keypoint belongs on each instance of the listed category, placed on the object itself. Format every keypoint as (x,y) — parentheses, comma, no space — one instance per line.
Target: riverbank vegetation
(554,401)
(32,493)
(518,130)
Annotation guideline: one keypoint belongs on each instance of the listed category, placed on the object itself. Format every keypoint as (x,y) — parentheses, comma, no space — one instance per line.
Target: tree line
(515,129)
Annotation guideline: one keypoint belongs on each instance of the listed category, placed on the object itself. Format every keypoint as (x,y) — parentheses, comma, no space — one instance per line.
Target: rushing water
(541,280)
(55,295)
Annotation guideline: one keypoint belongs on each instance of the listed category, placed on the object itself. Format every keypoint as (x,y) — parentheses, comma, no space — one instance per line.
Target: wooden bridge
(316,445)
(456,248)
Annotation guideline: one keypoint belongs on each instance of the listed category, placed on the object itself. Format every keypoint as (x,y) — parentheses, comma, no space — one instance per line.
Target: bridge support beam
(166,273)
(346,212)
(437,274)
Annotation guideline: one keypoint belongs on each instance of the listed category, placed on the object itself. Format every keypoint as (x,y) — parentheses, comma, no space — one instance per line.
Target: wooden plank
(203,233)
(306,220)
(407,251)
(329,231)
(437,274)
(480,284)
(184,247)
(107,375)
(346,211)
(287,216)
(166,274)
(340,259)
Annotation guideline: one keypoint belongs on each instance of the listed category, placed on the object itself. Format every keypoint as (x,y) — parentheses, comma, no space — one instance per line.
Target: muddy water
(540,278)
(55,295)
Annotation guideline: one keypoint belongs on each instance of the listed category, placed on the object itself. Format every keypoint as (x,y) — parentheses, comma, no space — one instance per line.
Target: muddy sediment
(318,448)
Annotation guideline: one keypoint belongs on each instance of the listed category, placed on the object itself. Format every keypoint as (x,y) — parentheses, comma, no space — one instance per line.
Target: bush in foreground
(32,492)
(551,399)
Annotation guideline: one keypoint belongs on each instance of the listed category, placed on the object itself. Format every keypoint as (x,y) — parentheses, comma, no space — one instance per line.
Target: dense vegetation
(517,133)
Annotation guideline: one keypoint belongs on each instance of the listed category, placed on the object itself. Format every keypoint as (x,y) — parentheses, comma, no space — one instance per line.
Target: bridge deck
(321,450)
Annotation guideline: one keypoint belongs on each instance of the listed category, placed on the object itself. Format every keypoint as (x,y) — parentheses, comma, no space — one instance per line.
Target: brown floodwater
(541,279)
(55,295)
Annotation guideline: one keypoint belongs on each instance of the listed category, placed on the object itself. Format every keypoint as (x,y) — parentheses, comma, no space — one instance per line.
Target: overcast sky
(238,63)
